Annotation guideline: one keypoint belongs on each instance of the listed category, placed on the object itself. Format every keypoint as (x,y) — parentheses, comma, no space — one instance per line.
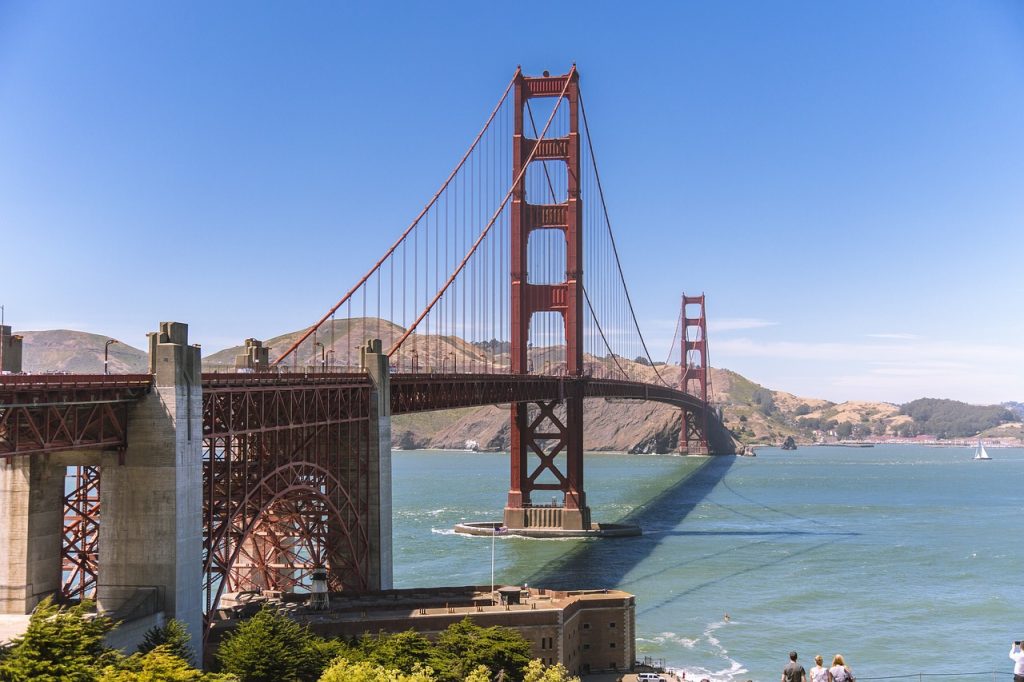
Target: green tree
(270,647)
(343,670)
(464,645)
(479,674)
(60,644)
(403,650)
(844,430)
(174,635)
(536,671)
(159,664)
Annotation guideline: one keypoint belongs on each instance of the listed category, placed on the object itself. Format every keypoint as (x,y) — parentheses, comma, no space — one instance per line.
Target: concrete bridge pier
(151,531)
(31,531)
(375,362)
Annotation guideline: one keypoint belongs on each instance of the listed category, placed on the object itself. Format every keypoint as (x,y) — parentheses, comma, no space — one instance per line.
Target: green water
(904,559)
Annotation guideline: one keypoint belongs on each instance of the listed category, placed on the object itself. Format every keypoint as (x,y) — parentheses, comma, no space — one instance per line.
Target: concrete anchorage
(151,533)
(10,350)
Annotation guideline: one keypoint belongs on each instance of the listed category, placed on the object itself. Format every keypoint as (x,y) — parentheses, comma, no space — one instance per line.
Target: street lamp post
(323,358)
(106,355)
(330,355)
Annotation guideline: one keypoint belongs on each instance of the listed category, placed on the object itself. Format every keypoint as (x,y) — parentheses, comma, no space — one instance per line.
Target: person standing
(1017,655)
(793,672)
(839,671)
(818,673)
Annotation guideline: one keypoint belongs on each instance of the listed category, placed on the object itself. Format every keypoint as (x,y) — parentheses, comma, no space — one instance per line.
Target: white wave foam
(443,531)
(662,637)
(732,673)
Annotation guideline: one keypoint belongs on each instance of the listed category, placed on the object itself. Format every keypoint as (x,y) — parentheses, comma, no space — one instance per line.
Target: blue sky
(844,180)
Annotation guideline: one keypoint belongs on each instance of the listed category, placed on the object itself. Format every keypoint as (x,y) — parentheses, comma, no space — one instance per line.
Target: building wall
(586,631)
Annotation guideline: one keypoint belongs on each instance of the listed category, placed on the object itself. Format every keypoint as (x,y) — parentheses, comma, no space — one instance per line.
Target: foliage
(270,647)
(158,665)
(844,430)
(402,650)
(641,360)
(173,635)
(464,645)
(343,670)
(322,652)
(61,643)
(538,672)
(479,674)
(954,419)
(861,431)
(802,409)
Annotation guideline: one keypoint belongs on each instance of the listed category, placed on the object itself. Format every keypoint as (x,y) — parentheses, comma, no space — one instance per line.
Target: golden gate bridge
(506,289)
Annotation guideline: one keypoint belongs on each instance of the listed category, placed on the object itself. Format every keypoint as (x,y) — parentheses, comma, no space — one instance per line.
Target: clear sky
(845,180)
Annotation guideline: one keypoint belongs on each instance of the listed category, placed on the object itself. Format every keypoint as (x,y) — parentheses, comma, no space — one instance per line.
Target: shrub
(270,647)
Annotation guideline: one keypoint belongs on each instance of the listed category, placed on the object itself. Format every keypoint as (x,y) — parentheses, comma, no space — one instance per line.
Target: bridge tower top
(566,216)
(693,377)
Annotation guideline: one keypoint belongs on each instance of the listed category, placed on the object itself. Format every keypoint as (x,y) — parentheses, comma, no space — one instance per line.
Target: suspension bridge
(163,491)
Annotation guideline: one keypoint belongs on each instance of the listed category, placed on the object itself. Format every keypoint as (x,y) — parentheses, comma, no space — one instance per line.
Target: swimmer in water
(726,618)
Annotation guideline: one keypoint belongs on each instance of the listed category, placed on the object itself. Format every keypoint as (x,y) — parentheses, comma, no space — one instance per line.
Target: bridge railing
(74,381)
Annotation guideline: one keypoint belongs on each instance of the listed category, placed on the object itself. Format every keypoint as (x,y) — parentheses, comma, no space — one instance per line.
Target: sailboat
(980,453)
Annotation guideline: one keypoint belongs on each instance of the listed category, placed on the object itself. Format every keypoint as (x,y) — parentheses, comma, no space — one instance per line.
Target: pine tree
(60,644)
(174,635)
(158,664)
(270,647)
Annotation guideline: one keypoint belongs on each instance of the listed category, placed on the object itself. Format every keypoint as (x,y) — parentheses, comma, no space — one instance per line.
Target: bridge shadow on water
(606,563)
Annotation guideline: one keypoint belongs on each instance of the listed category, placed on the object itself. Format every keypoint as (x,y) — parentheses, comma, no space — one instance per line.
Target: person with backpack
(839,672)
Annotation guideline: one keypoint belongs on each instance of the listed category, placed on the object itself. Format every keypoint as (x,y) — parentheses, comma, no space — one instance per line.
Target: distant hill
(754,413)
(64,350)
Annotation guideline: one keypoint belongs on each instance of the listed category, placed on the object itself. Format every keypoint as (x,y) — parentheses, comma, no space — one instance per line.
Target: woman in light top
(818,673)
(839,672)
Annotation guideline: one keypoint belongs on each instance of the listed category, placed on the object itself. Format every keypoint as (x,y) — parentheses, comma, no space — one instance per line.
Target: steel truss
(80,547)
(288,485)
(44,414)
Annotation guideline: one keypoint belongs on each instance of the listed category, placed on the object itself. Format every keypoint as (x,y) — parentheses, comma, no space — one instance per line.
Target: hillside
(64,350)
(754,413)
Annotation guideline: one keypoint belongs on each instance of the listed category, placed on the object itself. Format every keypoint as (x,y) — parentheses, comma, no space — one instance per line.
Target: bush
(270,647)
(343,670)
(174,636)
(158,664)
(403,651)
(464,645)
(60,644)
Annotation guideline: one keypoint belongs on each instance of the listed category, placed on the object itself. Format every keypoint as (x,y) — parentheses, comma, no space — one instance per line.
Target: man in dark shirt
(793,672)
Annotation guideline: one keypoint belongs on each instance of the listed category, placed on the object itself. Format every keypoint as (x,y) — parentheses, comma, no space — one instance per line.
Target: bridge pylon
(693,374)
(547,437)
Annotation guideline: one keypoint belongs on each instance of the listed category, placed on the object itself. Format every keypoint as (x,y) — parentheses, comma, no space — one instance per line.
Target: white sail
(980,452)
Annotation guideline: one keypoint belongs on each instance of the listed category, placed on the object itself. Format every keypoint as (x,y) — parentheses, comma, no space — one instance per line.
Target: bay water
(907,560)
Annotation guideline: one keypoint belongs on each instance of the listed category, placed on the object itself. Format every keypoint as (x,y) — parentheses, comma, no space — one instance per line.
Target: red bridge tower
(693,375)
(547,447)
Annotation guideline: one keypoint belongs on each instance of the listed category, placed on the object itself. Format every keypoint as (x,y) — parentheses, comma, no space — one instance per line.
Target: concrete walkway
(12,625)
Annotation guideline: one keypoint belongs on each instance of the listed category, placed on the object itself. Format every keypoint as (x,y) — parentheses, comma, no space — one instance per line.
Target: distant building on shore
(584,630)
